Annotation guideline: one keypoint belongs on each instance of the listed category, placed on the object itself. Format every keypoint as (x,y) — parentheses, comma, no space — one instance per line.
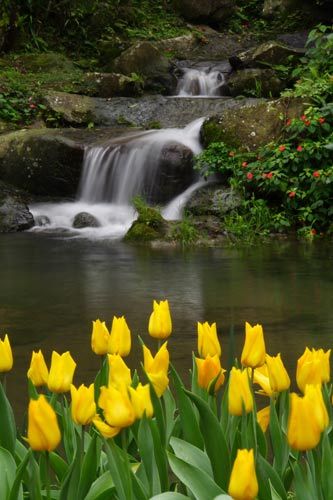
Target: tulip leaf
(327,467)
(267,476)
(223,497)
(119,469)
(169,495)
(71,479)
(89,467)
(102,488)
(279,442)
(58,465)
(188,418)
(33,483)
(196,480)
(7,472)
(139,490)
(170,408)
(16,492)
(215,441)
(7,423)
(304,484)
(191,454)
(101,378)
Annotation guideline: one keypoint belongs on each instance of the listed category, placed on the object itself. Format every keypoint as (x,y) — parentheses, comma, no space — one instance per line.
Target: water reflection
(52,288)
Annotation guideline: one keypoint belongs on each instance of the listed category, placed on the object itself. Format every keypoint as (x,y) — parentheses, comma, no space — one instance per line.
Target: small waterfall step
(204,79)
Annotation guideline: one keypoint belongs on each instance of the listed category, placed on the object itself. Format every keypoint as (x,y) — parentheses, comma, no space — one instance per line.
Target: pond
(53,287)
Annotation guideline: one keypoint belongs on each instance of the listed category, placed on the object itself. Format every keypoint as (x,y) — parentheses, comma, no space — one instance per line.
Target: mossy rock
(50,62)
(141,232)
(149,225)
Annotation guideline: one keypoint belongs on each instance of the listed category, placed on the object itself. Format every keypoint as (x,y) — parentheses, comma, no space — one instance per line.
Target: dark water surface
(52,288)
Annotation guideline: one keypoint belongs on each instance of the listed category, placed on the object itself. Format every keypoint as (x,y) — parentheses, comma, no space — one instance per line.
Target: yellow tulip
(253,354)
(105,429)
(43,429)
(120,337)
(208,343)
(83,404)
(119,373)
(208,369)
(157,367)
(243,484)
(38,372)
(117,407)
(240,397)
(6,355)
(263,417)
(61,372)
(160,324)
(278,377)
(260,377)
(303,428)
(141,402)
(314,393)
(100,337)
(313,367)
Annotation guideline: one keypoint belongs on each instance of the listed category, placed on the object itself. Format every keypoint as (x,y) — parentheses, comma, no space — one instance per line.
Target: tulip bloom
(240,397)
(61,372)
(260,377)
(208,370)
(100,337)
(120,337)
(253,354)
(313,367)
(6,355)
(263,417)
(160,324)
(304,429)
(278,377)
(243,484)
(157,367)
(119,373)
(38,372)
(141,402)
(105,429)
(314,393)
(43,429)
(83,404)
(117,407)
(208,343)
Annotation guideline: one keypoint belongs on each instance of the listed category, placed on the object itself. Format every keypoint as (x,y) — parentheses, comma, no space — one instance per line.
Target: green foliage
(185,233)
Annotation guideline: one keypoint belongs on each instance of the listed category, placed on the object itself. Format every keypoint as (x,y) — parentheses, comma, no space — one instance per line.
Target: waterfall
(200,82)
(112,174)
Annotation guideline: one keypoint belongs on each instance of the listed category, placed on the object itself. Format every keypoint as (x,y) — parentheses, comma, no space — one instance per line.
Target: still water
(52,288)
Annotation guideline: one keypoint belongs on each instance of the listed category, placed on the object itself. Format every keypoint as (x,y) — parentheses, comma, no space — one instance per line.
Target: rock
(137,112)
(84,219)
(145,60)
(267,54)
(73,108)
(211,11)
(213,201)
(42,220)
(276,8)
(45,62)
(175,173)
(251,125)
(149,225)
(45,162)
(14,213)
(112,84)
(177,46)
(255,81)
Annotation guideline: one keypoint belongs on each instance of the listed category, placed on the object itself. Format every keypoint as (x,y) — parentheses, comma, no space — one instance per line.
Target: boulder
(45,62)
(84,219)
(276,8)
(210,11)
(112,84)
(252,124)
(72,108)
(256,82)
(266,54)
(213,200)
(146,61)
(14,212)
(149,225)
(42,220)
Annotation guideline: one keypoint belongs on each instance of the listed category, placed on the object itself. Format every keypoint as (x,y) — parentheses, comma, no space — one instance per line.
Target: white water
(112,175)
(200,82)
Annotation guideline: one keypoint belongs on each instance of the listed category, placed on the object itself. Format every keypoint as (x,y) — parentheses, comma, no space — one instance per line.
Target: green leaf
(16,492)
(169,495)
(197,481)
(188,417)
(191,454)
(215,441)
(7,423)
(102,488)
(327,467)
(58,465)
(147,453)
(279,442)
(266,474)
(120,470)
(170,409)
(7,472)
(89,467)
(101,378)
(69,487)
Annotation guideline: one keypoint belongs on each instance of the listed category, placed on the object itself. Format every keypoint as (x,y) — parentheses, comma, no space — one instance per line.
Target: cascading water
(113,174)
(200,82)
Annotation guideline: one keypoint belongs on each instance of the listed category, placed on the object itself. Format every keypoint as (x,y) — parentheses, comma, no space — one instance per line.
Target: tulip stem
(47,479)
(82,444)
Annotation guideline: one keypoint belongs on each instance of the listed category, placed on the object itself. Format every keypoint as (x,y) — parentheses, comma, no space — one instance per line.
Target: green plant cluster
(287,184)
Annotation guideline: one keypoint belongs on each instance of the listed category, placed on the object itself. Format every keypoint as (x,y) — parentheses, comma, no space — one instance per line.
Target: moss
(140,231)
